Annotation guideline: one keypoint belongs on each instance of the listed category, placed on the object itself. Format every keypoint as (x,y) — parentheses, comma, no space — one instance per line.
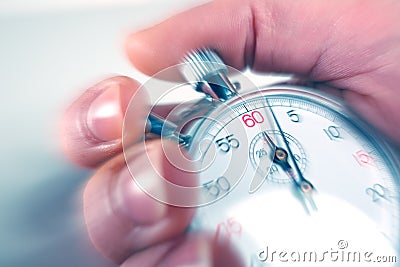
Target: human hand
(348,44)
(353,45)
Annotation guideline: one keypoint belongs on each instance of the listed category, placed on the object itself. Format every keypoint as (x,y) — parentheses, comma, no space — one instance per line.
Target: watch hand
(303,190)
(280,157)
(270,141)
(304,186)
(259,176)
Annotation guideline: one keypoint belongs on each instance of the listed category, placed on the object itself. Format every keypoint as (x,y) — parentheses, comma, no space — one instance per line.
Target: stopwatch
(285,173)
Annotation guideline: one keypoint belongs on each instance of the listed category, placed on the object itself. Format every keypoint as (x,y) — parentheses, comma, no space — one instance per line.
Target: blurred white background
(29,6)
(49,52)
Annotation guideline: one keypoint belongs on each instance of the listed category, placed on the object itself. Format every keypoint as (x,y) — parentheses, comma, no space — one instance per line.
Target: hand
(348,44)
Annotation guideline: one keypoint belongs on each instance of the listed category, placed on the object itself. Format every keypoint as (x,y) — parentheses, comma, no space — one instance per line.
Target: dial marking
(378,192)
(227,229)
(259,147)
(293,115)
(333,132)
(363,158)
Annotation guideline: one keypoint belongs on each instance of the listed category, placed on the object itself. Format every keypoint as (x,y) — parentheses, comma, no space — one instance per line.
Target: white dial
(352,172)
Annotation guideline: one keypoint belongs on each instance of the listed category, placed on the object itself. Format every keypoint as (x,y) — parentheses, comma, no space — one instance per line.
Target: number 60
(250,120)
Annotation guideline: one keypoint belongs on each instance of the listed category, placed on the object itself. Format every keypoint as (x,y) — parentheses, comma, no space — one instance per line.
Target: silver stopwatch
(287,174)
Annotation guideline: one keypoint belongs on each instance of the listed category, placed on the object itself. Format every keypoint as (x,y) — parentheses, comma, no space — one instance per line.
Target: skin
(353,45)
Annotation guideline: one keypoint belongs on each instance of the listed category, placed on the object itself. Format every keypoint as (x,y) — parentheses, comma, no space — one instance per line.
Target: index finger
(284,36)
(324,40)
(347,44)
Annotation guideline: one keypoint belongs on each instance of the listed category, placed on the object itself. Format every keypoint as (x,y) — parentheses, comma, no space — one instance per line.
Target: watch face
(285,174)
(325,186)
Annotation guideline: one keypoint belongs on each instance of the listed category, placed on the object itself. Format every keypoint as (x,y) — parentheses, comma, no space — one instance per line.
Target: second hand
(302,184)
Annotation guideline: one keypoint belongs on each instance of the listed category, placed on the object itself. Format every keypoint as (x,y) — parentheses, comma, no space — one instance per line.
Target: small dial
(258,150)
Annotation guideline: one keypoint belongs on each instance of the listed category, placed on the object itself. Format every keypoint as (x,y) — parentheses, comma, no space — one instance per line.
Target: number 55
(226,143)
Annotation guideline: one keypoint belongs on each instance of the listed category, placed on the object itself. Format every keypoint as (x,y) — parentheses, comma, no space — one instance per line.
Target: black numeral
(261,153)
(332,132)
(273,169)
(217,186)
(226,143)
(378,192)
(294,117)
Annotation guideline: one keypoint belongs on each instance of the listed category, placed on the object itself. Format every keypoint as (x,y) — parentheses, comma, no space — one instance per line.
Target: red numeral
(227,229)
(250,120)
(363,158)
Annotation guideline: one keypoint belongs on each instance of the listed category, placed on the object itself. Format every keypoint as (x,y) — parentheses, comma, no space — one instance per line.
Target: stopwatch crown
(201,64)
(207,69)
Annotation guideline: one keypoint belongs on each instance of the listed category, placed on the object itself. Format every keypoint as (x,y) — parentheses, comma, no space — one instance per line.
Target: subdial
(258,150)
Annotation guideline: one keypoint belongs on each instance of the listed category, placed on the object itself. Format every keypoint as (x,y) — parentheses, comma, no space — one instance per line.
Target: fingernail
(105,116)
(138,204)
